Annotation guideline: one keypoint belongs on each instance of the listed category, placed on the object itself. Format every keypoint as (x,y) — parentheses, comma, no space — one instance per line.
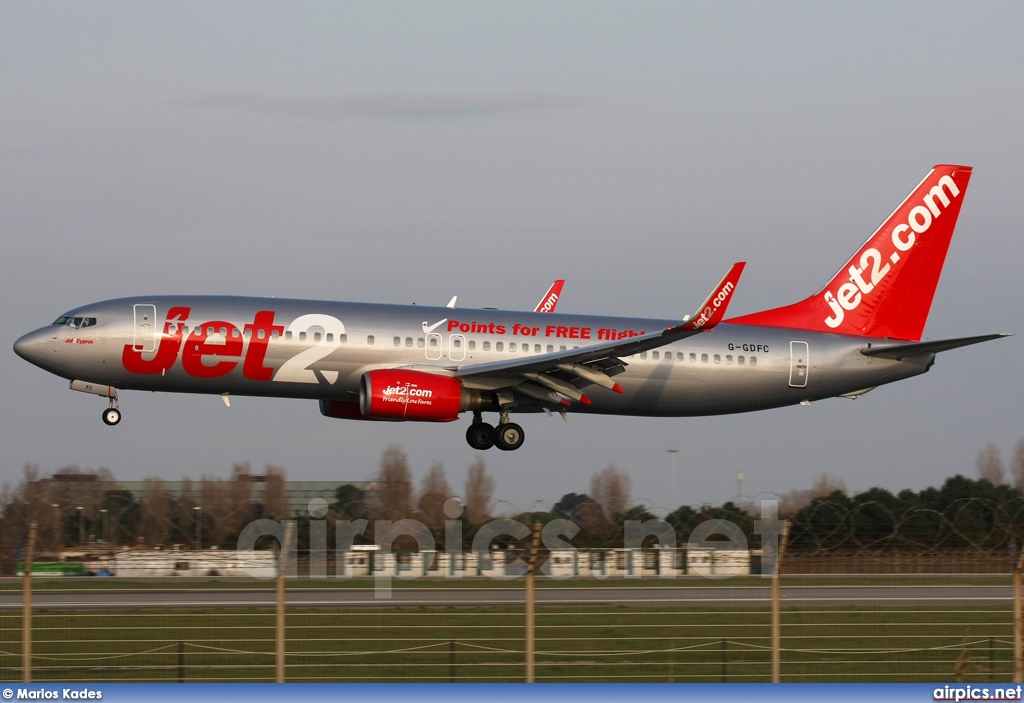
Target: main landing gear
(507,436)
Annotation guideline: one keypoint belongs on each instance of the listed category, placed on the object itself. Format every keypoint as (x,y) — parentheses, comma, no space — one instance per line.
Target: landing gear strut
(508,436)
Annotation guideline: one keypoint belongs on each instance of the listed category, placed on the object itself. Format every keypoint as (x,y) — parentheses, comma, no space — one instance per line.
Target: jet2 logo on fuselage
(215,348)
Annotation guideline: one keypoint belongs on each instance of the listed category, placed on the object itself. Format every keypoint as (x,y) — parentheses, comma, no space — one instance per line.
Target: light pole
(106,525)
(673,454)
(81,526)
(199,527)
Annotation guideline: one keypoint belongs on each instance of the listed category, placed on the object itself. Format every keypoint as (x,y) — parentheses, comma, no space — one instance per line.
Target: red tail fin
(886,289)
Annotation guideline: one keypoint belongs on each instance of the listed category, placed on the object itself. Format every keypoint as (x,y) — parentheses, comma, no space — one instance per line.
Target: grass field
(584,643)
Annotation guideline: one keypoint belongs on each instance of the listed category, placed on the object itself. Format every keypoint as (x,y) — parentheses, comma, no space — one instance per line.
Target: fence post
(1018,622)
(530,576)
(725,661)
(282,569)
(777,608)
(451,661)
(26,605)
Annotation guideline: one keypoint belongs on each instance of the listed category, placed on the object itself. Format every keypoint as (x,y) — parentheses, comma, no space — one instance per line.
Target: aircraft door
(433,347)
(145,328)
(456,347)
(799,363)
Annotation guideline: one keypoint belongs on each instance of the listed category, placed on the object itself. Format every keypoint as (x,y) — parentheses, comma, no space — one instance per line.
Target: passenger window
(302,336)
(526,348)
(329,337)
(536,348)
(457,343)
(728,358)
(561,348)
(551,348)
(316,336)
(718,359)
(275,335)
(643,355)
(487,346)
(740,360)
(498,346)
(472,345)
(654,355)
(703,358)
(408,341)
(511,346)
(262,334)
(288,334)
(419,341)
(693,357)
(753,361)
(224,332)
(397,341)
(369,339)
(433,342)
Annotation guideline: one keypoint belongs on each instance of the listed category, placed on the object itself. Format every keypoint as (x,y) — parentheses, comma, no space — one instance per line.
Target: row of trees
(73,507)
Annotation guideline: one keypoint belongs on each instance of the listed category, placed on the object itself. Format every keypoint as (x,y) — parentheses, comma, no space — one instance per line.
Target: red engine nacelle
(396,394)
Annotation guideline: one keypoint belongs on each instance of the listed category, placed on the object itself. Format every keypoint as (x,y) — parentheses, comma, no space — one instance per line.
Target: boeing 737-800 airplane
(386,362)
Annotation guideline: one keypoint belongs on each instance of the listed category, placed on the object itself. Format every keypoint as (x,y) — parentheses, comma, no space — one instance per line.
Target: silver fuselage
(320,350)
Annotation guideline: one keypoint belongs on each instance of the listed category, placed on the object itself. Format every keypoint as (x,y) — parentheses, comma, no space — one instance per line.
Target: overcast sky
(400,152)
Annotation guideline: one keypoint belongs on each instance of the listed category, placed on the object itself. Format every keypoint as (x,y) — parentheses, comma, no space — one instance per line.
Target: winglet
(713,310)
(550,299)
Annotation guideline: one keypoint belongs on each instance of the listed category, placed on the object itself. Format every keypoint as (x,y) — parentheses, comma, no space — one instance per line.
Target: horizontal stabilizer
(906,351)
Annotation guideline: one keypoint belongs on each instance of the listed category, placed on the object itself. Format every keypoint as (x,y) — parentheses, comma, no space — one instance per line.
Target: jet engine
(397,394)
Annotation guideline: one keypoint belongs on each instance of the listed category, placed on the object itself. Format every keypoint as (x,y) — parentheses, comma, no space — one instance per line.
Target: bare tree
(990,465)
(479,491)
(610,488)
(185,511)
(156,513)
(275,494)
(433,493)
(395,480)
(792,502)
(1018,465)
(240,497)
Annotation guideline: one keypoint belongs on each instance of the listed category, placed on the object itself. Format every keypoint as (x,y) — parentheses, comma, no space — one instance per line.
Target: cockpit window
(75,322)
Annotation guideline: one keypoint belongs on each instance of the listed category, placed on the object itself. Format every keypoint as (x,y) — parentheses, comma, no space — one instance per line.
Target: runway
(455,596)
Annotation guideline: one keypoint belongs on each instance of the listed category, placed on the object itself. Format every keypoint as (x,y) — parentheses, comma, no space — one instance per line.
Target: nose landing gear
(111,416)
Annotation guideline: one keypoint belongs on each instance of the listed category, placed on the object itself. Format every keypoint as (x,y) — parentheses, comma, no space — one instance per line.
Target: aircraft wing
(905,351)
(545,376)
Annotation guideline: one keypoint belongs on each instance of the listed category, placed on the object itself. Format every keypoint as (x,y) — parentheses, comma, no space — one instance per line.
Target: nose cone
(32,347)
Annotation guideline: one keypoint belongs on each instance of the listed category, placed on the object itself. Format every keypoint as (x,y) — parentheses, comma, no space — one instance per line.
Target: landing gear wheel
(480,435)
(111,416)
(509,437)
